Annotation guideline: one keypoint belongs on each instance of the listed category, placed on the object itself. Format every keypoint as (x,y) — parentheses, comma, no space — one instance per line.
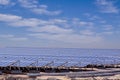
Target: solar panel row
(54,61)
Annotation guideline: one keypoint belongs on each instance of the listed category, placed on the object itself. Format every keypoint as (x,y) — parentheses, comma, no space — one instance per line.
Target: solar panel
(42,60)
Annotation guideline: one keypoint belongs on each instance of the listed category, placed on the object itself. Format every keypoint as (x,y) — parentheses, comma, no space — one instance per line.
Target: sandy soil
(25,77)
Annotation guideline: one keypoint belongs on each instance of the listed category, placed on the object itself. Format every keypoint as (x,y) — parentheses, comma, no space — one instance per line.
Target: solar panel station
(14,64)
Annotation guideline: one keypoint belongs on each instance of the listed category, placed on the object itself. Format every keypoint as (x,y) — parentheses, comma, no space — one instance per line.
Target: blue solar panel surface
(57,56)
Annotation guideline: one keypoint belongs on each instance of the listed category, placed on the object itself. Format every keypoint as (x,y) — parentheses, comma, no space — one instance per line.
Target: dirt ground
(25,77)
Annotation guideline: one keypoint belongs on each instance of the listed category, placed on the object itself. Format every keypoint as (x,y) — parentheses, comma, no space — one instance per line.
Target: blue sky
(60,23)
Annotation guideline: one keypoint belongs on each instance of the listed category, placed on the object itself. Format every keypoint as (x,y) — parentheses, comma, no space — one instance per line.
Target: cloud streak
(33,6)
(4,2)
(107,6)
(52,29)
(9,18)
(12,37)
(68,38)
(55,30)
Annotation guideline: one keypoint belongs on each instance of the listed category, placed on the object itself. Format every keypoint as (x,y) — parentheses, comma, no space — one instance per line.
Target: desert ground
(99,74)
(25,77)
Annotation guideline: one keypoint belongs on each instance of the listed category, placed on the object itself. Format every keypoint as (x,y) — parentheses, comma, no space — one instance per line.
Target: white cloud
(94,17)
(34,22)
(17,21)
(107,6)
(4,2)
(28,3)
(32,5)
(6,36)
(9,18)
(107,27)
(58,21)
(7,3)
(68,38)
(12,37)
(31,22)
(106,33)
(51,29)
(87,32)
(91,17)
(79,23)
(18,39)
(82,23)
(36,8)
(45,11)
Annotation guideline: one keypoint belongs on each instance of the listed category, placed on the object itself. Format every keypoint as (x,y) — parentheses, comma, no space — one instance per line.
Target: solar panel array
(54,61)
